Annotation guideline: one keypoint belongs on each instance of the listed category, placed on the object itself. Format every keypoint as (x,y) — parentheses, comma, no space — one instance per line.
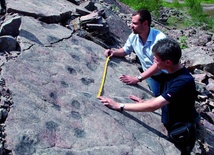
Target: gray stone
(55,104)
(8,43)
(195,57)
(11,27)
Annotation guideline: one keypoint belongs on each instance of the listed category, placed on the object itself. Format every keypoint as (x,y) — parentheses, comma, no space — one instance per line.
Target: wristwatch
(122,106)
(140,78)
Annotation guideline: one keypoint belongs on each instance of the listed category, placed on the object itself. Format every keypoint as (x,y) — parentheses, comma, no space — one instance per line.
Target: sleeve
(158,37)
(161,35)
(176,90)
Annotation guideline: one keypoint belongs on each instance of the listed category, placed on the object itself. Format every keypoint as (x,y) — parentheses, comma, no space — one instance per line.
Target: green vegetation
(192,9)
(114,8)
(183,42)
(151,5)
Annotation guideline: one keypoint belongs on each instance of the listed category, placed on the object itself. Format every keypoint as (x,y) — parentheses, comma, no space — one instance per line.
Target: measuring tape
(104,76)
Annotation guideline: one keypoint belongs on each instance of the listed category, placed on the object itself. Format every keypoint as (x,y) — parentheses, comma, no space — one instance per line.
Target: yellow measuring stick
(104,76)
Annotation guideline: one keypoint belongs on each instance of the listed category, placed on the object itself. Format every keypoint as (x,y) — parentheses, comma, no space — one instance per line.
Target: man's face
(136,26)
(160,63)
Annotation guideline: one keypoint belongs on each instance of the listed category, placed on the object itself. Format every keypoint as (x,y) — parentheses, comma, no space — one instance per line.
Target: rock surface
(50,81)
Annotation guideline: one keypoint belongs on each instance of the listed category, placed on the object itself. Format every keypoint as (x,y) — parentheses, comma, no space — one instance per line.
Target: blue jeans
(156,83)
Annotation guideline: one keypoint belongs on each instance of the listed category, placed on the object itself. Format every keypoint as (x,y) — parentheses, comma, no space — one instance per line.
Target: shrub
(151,5)
(183,42)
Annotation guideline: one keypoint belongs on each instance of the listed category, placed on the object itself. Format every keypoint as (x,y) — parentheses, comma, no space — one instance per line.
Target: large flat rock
(42,7)
(56,110)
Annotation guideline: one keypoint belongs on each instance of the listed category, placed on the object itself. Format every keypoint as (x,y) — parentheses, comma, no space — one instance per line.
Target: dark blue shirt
(180,91)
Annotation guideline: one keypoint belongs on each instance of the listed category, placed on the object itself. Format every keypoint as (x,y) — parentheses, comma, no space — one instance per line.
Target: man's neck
(175,68)
(144,35)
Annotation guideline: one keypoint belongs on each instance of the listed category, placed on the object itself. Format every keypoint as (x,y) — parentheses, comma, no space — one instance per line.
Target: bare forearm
(118,52)
(145,106)
(150,71)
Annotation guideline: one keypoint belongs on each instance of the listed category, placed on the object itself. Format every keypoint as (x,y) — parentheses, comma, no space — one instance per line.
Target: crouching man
(177,100)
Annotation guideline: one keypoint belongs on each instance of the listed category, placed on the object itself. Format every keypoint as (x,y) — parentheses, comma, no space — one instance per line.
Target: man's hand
(136,99)
(110,103)
(129,80)
(108,52)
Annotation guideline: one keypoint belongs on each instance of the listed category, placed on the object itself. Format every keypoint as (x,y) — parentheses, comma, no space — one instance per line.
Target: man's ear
(168,62)
(145,22)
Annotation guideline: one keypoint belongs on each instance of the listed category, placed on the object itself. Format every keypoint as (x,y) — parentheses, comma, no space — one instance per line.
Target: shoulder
(185,75)
(132,37)
(183,82)
(159,34)
(155,35)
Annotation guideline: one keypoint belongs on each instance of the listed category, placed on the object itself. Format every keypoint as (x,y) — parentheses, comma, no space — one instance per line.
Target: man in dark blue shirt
(177,100)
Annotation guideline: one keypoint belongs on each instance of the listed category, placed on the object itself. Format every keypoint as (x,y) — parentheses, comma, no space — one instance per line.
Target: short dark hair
(144,15)
(168,49)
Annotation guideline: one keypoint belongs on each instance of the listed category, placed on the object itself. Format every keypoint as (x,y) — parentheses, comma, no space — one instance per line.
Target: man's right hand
(108,52)
(136,99)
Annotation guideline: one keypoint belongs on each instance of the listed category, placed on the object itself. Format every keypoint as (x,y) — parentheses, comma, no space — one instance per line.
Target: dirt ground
(209,9)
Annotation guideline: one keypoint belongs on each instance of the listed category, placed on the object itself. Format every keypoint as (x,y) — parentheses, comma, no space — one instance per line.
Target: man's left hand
(129,79)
